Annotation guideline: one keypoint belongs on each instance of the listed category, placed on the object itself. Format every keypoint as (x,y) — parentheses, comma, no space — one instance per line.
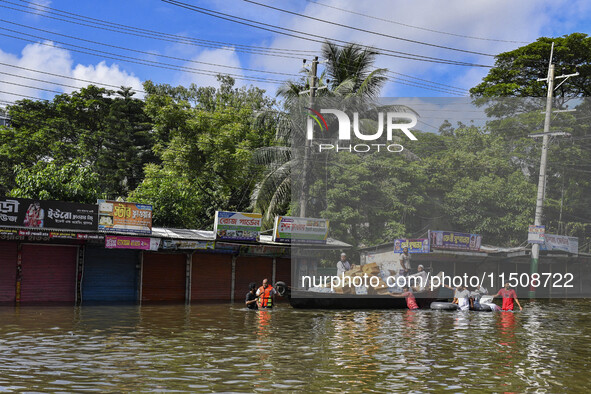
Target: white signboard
(237,226)
(536,234)
(561,242)
(302,230)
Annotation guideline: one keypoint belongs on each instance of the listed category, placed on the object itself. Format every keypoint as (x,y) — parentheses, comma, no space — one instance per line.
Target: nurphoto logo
(402,121)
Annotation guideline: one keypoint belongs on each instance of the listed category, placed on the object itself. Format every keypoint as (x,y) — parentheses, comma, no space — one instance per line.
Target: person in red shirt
(508,295)
(411,302)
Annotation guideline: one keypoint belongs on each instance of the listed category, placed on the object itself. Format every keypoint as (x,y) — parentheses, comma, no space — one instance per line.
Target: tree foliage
(106,131)
(205,139)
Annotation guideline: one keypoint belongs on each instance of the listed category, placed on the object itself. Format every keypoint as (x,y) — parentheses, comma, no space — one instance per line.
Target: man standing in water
(251,298)
(508,296)
(266,295)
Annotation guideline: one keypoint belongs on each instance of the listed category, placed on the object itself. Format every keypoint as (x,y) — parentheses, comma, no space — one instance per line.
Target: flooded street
(223,347)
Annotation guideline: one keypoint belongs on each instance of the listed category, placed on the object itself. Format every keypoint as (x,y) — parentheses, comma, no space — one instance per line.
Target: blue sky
(493,22)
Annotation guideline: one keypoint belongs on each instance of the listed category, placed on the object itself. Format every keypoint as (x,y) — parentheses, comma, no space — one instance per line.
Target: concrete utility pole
(535,251)
(312,90)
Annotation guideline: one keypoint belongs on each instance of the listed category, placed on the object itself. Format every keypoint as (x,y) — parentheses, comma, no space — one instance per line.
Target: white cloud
(106,74)
(19,77)
(215,56)
(41,3)
(504,20)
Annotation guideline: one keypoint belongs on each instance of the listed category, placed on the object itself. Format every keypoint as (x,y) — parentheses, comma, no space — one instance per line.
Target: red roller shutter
(8,256)
(49,273)
(164,277)
(251,269)
(283,271)
(211,277)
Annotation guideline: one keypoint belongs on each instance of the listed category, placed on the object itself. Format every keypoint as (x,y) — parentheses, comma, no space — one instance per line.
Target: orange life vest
(265,298)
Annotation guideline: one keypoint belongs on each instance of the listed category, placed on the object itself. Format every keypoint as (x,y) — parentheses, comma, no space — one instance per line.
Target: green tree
(48,181)
(348,74)
(205,140)
(514,76)
(103,130)
(515,72)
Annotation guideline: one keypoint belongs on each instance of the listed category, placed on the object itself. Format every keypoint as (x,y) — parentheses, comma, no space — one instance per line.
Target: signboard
(419,245)
(302,230)
(454,240)
(124,217)
(237,226)
(45,235)
(264,250)
(174,244)
(560,242)
(123,242)
(24,212)
(535,234)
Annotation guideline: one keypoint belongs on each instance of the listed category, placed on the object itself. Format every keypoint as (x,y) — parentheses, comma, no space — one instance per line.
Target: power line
(22,95)
(426,80)
(419,85)
(30,87)
(415,27)
(60,76)
(129,59)
(142,52)
(42,80)
(306,36)
(369,31)
(147,33)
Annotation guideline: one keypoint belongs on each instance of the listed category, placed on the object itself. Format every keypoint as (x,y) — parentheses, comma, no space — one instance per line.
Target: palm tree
(349,73)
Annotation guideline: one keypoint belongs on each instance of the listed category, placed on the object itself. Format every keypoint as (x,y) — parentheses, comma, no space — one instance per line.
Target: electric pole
(535,251)
(310,124)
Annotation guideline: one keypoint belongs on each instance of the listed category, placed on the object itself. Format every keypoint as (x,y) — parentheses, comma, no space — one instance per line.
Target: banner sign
(535,234)
(453,240)
(237,226)
(302,230)
(174,244)
(124,217)
(264,250)
(44,235)
(560,242)
(24,212)
(419,245)
(122,242)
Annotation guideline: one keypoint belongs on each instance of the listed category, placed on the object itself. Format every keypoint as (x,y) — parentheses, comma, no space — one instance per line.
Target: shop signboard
(455,240)
(289,229)
(30,213)
(237,226)
(118,216)
(418,245)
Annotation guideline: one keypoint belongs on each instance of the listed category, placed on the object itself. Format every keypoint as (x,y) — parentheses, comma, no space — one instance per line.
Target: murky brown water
(227,348)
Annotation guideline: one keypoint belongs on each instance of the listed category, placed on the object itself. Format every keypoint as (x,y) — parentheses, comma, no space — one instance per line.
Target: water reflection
(204,348)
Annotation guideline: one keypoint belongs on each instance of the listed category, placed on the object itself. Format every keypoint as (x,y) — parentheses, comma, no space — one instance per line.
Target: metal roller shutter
(49,273)
(8,256)
(283,271)
(164,277)
(211,277)
(251,269)
(110,275)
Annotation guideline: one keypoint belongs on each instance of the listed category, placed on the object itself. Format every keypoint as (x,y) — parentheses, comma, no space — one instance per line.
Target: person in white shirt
(461,297)
(421,281)
(343,265)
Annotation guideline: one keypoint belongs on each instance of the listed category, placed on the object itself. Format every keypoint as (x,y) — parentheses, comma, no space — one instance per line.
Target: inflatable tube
(444,306)
(482,308)
(281,288)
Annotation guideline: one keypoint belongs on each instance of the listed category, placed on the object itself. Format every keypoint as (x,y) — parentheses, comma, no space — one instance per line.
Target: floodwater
(224,347)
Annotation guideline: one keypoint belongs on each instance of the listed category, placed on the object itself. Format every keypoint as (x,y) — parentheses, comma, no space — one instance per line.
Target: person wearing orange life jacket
(266,294)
